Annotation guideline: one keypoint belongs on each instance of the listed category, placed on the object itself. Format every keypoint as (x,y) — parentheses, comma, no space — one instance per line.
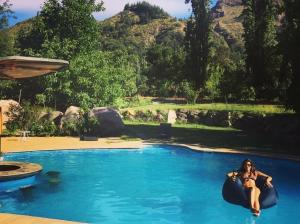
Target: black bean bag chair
(234,192)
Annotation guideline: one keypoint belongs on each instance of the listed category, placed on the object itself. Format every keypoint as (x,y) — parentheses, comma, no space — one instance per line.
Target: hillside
(126,25)
(130,28)
(227,21)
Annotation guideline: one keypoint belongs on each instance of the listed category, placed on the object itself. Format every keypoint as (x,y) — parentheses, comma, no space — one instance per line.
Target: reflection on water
(250,220)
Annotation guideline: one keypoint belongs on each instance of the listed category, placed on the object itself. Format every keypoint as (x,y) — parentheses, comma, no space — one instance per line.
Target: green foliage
(262,61)
(198,32)
(88,125)
(5,13)
(166,68)
(27,118)
(100,78)
(8,89)
(70,128)
(22,118)
(189,92)
(291,46)
(146,11)
(62,29)
(40,99)
(137,101)
(6,42)
(43,128)
(212,85)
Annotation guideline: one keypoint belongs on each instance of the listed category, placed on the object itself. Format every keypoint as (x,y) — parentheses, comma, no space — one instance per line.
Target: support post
(0,130)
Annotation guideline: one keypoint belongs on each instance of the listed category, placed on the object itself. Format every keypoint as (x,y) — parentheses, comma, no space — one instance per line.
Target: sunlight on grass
(268,109)
(188,126)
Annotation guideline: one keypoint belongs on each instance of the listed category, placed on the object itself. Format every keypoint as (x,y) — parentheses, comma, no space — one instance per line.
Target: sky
(25,9)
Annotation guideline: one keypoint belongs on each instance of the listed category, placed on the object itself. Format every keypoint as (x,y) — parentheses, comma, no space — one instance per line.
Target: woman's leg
(252,197)
(256,200)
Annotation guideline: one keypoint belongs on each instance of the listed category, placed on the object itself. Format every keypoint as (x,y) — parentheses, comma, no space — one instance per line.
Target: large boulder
(110,121)
(72,114)
(54,116)
(5,106)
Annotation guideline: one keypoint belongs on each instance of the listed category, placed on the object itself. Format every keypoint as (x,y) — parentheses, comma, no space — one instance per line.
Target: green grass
(251,108)
(208,136)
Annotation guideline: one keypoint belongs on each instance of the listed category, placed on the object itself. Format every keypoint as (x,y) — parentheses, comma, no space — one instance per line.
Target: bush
(88,125)
(22,118)
(189,92)
(102,78)
(70,128)
(43,128)
(85,125)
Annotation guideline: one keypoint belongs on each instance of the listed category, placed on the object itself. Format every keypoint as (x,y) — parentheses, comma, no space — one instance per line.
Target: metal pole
(20,94)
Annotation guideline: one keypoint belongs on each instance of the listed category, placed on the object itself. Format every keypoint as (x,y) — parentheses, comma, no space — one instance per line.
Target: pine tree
(197,36)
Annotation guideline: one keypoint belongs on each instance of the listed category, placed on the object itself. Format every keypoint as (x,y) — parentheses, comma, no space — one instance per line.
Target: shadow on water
(212,138)
(48,182)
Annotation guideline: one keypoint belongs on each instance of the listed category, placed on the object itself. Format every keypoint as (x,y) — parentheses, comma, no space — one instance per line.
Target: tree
(6,43)
(62,29)
(197,36)
(101,78)
(165,70)
(291,46)
(261,45)
(146,11)
(7,87)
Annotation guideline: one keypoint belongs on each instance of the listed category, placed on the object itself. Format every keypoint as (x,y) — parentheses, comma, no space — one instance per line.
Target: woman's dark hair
(242,168)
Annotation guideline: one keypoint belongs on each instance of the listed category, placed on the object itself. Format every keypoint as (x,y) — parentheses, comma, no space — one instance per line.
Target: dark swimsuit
(244,179)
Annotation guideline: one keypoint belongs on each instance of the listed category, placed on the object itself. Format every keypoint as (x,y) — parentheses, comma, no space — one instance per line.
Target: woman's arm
(232,174)
(268,178)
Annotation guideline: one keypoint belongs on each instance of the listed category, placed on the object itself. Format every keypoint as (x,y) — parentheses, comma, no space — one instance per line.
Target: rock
(182,116)
(72,114)
(159,118)
(5,106)
(129,114)
(54,116)
(171,117)
(152,113)
(111,123)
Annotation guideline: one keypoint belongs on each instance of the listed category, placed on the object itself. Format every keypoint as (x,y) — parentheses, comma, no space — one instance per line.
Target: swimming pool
(156,184)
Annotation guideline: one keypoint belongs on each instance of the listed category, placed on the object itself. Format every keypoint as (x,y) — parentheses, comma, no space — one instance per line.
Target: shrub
(43,128)
(189,92)
(22,118)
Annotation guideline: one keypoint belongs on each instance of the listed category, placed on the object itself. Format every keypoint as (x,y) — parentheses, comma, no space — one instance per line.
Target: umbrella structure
(19,67)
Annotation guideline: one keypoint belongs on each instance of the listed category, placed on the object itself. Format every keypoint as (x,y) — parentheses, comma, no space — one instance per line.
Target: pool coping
(23,170)
(198,148)
(8,218)
(14,145)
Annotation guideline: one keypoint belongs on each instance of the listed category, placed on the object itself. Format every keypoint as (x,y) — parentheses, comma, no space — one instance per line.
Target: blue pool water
(157,184)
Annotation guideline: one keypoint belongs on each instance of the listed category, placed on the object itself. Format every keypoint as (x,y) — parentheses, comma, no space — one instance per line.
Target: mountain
(227,24)
(227,21)
(141,25)
(128,27)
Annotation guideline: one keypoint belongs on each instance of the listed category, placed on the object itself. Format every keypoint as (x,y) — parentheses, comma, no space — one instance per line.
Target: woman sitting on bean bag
(248,176)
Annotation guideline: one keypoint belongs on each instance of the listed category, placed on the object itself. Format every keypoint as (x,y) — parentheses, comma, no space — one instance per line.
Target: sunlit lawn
(254,108)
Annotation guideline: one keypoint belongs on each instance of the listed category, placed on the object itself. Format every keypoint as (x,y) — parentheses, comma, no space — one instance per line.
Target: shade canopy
(18,67)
